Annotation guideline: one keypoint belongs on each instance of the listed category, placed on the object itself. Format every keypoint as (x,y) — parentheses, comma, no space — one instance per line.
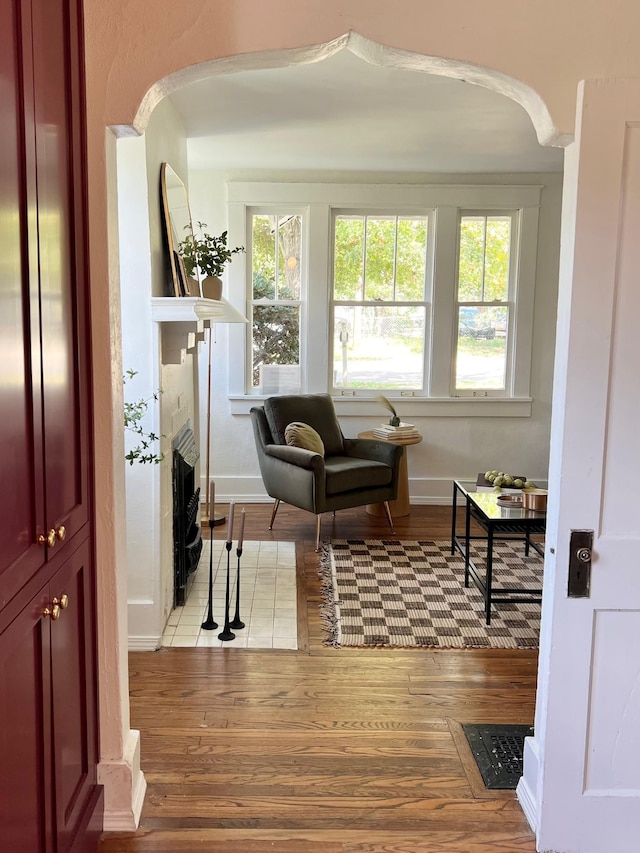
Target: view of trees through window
(276,276)
(378,304)
(483,301)
(380,309)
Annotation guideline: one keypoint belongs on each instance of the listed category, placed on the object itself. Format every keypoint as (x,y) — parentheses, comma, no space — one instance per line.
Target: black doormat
(498,751)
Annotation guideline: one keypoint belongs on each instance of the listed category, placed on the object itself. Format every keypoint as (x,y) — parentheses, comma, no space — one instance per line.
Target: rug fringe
(328,614)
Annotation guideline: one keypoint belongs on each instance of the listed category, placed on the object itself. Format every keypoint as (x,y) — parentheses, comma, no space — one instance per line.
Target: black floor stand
(227,633)
(208,623)
(237,622)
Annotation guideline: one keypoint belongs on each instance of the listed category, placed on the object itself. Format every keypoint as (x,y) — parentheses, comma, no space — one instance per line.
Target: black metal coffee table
(498,523)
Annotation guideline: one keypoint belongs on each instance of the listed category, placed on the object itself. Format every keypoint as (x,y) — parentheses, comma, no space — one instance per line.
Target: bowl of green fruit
(500,480)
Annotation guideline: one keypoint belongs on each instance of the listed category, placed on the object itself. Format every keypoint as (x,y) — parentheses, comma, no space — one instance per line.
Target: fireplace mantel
(174,309)
(184,319)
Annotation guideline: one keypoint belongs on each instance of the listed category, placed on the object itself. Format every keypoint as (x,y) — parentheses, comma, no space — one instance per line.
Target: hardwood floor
(324,749)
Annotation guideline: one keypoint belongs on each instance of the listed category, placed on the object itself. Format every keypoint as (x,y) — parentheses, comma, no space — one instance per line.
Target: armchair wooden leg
(273,513)
(389,519)
(318,521)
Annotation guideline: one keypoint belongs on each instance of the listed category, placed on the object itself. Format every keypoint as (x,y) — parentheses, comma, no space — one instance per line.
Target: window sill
(428,407)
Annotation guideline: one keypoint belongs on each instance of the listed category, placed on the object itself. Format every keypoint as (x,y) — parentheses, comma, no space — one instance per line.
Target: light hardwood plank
(323,749)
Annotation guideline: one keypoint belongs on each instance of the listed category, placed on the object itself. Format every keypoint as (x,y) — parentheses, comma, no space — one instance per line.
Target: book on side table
(403,430)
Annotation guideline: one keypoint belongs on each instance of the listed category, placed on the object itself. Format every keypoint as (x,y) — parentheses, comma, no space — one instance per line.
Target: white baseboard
(527,803)
(429,500)
(137,801)
(124,787)
(144,643)
(127,819)
(528,784)
(241,489)
(422,491)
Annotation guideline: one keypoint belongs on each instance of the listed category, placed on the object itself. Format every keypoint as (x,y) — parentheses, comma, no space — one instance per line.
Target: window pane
(471,260)
(378,346)
(481,359)
(276,341)
(381,249)
(485,248)
(289,239)
(496,262)
(411,259)
(349,258)
(276,263)
(263,261)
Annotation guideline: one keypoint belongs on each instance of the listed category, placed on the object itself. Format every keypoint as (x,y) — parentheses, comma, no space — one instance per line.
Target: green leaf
(133,414)
(204,253)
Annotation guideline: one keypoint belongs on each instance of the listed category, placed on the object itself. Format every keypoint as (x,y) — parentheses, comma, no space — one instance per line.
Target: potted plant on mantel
(205,258)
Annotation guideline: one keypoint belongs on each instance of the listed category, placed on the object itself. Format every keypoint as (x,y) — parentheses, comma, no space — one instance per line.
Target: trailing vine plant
(134,412)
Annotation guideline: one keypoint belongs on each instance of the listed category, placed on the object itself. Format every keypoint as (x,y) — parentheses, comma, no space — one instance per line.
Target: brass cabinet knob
(61,532)
(49,539)
(53,612)
(63,601)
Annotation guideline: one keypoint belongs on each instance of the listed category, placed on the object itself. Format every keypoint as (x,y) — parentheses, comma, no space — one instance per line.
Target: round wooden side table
(400,507)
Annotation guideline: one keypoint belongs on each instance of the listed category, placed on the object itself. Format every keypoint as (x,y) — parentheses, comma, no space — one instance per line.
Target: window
(276,252)
(484,298)
(379,313)
(413,291)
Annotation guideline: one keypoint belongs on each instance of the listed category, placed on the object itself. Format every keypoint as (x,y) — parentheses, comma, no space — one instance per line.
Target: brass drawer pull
(49,539)
(53,612)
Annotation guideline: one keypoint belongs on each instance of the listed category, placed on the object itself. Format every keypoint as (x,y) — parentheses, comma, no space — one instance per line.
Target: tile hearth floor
(267,599)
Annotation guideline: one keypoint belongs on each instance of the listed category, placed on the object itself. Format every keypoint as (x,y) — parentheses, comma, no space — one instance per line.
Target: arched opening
(283,114)
(363,50)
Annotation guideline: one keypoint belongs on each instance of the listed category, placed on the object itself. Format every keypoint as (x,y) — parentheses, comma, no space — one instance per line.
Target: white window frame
(250,301)
(317,202)
(511,303)
(429,216)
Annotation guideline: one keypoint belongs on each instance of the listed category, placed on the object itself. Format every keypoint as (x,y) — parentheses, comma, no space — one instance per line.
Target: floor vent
(498,751)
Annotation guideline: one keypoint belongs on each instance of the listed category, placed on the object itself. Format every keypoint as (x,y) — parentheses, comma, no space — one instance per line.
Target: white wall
(452,446)
(143,275)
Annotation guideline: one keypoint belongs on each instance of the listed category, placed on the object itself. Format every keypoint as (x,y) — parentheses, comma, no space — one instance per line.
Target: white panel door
(587,728)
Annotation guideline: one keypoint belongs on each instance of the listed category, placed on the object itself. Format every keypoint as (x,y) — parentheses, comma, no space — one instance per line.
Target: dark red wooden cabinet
(48,792)
(49,799)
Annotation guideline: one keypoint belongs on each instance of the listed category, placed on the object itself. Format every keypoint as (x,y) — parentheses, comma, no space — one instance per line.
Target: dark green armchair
(352,472)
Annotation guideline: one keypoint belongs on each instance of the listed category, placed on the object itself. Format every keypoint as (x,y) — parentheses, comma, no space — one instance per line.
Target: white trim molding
(442,203)
(144,643)
(526,792)
(124,787)
(412,407)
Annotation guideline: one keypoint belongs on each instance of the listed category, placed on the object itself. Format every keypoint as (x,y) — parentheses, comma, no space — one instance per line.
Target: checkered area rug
(389,593)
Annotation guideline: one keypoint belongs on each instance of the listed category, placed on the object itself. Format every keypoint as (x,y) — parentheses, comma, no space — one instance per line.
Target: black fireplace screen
(187,539)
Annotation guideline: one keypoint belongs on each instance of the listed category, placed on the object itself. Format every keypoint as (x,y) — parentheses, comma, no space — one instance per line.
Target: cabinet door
(62,249)
(25,733)
(48,733)
(21,472)
(73,695)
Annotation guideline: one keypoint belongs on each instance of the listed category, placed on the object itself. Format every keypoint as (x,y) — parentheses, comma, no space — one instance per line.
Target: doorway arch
(369,51)
(546,130)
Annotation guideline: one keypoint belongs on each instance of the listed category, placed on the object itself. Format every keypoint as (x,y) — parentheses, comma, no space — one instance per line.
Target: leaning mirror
(177,224)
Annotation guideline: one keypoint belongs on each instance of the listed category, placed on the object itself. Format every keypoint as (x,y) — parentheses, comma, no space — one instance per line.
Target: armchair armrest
(295,456)
(378,451)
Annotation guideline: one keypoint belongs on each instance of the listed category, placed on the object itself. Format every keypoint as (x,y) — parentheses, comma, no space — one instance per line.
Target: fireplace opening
(187,538)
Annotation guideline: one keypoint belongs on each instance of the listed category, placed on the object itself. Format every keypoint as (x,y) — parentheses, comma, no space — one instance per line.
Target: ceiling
(343,113)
